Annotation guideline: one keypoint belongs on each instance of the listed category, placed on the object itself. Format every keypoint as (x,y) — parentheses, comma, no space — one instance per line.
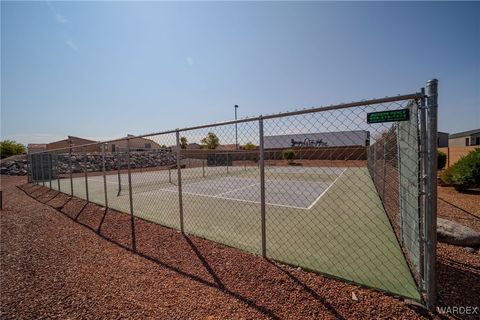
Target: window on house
(467,141)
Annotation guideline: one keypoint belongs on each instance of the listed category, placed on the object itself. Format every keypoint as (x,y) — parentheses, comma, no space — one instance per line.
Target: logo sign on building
(388,116)
(318,139)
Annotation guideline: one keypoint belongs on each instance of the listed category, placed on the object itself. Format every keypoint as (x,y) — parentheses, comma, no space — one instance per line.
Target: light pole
(236,132)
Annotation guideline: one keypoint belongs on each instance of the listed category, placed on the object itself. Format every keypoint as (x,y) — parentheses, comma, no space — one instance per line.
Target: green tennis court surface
(326,219)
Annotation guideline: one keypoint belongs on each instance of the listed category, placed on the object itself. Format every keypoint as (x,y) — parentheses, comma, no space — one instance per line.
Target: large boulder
(457,234)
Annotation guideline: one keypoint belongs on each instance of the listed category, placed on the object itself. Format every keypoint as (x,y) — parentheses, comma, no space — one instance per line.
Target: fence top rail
(361,103)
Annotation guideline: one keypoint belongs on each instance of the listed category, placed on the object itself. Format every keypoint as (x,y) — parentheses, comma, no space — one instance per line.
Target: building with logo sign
(318,140)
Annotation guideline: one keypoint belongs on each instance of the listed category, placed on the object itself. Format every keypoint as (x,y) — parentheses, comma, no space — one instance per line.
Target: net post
(104,147)
(179,173)
(431,201)
(85,160)
(130,197)
(262,187)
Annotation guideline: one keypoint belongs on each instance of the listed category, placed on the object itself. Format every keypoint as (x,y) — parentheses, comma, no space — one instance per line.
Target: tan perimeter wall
(455,153)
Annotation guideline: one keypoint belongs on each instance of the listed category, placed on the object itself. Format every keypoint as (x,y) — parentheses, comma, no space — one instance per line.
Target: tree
(249,146)
(183,142)
(211,141)
(10,148)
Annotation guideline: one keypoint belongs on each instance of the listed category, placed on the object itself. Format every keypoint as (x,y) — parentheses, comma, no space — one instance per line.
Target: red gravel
(78,263)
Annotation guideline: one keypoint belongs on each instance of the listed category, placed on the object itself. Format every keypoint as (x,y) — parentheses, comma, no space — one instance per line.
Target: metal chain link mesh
(341,196)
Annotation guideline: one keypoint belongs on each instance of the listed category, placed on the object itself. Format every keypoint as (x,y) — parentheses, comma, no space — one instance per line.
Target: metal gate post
(104,146)
(179,172)
(85,160)
(431,201)
(261,164)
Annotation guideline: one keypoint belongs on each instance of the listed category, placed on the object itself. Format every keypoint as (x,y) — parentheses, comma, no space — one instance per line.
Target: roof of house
(464,133)
(72,137)
(37,145)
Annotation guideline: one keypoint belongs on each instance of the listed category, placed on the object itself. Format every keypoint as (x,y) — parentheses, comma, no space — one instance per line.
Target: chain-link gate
(347,190)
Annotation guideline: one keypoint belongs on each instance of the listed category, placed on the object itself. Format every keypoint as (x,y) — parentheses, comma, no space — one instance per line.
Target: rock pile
(93,162)
(14,167)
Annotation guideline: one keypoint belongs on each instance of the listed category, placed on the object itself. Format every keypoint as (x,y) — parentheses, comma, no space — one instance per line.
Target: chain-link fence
(343,190)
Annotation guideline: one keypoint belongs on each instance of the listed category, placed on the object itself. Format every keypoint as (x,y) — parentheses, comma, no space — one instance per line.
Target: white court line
(325,191)
(242,188)
(232,199)
(110,182)
(218,196)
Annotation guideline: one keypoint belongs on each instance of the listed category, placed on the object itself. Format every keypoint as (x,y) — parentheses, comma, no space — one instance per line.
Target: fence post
(85,160)
(58,173)
(262,187)
(49,164)
(384,168)
(42,166)
(104,146)
(119,164)
(29,169)
(179,172)
(431,201)
(203,168)
(70,169)
(130,196)
(400,200)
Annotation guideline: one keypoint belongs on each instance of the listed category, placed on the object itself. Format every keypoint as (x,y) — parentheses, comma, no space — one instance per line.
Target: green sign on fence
(388,116)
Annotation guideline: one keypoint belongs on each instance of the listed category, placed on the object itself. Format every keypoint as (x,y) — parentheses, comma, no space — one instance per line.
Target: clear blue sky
(103,70)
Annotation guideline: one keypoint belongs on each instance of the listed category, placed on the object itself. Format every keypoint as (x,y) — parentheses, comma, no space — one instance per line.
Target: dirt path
(60,265)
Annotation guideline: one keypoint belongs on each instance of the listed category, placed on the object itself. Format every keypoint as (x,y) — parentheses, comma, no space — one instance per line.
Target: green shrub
(249,146)
(10,148)
(465,174)
(289,155)
(446,176)
(441,160)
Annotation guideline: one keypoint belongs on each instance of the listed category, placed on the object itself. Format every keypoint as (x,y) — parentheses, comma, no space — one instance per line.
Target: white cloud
(190,61)
(71,44)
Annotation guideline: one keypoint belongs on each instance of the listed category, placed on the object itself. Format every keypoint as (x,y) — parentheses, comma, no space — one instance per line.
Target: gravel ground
(64,258)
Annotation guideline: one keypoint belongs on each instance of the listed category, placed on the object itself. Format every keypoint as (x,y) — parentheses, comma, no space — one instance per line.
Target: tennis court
(326,219)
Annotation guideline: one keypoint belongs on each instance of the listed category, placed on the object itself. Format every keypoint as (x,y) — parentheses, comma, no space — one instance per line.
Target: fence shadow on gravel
(121,220)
